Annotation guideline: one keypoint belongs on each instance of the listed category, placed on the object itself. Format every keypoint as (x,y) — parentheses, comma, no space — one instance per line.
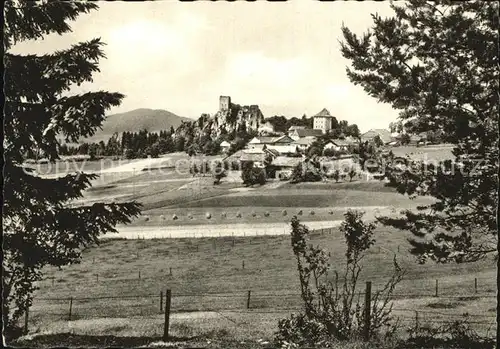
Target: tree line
(130,145)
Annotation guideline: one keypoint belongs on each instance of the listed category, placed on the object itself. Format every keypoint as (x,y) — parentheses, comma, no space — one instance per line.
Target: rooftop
(305,141)
(324,113)
(271,139)
(293,128)
(308,133)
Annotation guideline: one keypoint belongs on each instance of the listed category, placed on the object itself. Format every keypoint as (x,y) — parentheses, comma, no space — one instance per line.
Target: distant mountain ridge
(153,120)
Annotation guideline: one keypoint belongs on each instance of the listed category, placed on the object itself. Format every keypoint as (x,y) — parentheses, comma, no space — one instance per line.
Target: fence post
(368,301)
(243,264)
(475,285)
(161,300)
(139,274)
(168,297)
(248,299)
(26,317)
(437,287)
(97,277)
(70,308)
(53,281)
(416,320)
(170,271)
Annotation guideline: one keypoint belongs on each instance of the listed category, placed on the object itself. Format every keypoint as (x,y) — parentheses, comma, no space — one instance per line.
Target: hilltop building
(224,103)
(323,121)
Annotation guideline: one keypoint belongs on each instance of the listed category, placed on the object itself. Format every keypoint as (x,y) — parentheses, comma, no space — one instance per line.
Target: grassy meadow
(115,290)
(210,279)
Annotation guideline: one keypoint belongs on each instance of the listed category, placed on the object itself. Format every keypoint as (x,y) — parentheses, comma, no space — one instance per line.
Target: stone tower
(224,102)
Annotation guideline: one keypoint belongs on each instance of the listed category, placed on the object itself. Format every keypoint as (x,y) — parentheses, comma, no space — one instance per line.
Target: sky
(284,57)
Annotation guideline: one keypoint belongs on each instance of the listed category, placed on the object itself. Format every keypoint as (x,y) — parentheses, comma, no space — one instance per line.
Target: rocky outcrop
(225,121)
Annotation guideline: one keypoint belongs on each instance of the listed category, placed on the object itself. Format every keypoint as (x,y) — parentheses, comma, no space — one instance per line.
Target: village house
(293,128)
(304,143)
(338,145)
(284,166)
(306,132)
(224,146)
(384,135)
(257,156)
(282,144)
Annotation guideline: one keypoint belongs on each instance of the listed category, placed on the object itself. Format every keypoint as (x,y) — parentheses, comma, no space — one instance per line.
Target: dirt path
(205,230)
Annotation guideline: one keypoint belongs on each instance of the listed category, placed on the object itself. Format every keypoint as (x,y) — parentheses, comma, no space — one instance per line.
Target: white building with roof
(323,121)
(224,146)
(282,144)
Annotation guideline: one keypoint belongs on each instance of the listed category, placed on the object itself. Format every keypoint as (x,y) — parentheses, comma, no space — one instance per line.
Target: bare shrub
(190,216)
(333,310)
(267,214)
(174,217)
(238,215)
(284,213)
(146,218)
(299,213)
(208,215)
(223,215)
(312,213)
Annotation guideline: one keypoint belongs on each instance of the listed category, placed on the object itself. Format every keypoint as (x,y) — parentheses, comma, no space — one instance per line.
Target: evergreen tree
(113,147)
(179,143)
(437,62)
(39,228)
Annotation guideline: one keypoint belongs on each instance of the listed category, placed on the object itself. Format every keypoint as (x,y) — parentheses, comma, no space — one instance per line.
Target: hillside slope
(136,120)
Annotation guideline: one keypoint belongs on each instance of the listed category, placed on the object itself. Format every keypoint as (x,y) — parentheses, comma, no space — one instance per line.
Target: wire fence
(240,306)
(418,303)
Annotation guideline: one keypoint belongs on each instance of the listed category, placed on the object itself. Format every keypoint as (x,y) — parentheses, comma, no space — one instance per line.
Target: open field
(209,284)
(190,199)
(304,198)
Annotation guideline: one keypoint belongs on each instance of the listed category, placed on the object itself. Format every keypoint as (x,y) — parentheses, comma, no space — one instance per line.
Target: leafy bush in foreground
(333,310)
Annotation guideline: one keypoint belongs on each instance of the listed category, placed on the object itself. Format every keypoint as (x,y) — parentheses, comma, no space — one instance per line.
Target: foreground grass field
(116,289)
(210,279)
